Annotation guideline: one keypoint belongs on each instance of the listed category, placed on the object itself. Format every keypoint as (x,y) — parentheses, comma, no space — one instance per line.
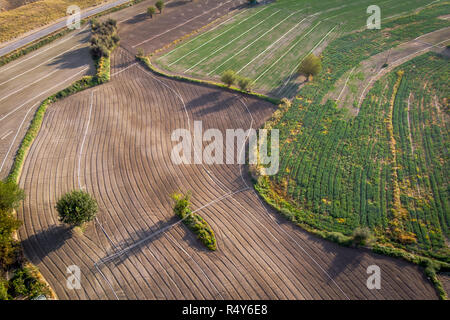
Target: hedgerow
(194,221)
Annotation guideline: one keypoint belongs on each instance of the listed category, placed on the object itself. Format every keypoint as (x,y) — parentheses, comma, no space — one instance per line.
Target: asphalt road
(54,27)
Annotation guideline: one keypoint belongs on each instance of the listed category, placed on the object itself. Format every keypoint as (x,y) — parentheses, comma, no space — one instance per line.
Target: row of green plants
(327,165)
(336,169)
(193,221)
(18,279)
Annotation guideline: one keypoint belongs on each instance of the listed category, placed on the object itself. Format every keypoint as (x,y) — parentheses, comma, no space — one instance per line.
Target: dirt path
(363,77)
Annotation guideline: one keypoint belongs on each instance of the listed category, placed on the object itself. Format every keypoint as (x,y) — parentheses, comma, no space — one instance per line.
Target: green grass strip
(149,65)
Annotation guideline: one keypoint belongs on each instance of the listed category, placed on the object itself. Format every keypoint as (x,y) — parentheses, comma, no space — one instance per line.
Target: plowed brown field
(114,141)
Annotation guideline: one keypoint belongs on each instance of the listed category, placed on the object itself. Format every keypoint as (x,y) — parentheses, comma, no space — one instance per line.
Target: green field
(386,168)
(267,43)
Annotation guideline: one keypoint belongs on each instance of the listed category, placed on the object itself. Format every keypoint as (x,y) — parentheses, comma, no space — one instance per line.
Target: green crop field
(267,43)
(385,168)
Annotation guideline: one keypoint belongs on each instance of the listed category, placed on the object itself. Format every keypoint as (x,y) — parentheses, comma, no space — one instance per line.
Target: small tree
(10,195)
(362,236)
(76,208)
(229,77)
(310,66)
(151,11)
(244,83)
(160,5)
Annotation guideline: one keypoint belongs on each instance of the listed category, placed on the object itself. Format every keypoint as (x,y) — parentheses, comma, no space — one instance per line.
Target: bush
(193,221)
(25,284)
(76,208)
(244,83)
(362,236)
(4,290)
(160,5)
(151,11)
(104,38)
(10,195)
(229,77)
(310,66)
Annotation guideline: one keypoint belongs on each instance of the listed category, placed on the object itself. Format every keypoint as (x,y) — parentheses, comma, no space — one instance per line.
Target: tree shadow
(216,107)
(41,244)
(200,101)
(137,241)
(74,59)
(288,88)
(138,18)
(177,3)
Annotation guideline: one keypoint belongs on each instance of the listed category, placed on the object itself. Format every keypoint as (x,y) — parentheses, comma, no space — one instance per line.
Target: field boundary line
(28,85)
(205,33)
(251,43)
(182,24)
(15,137)
(17,108)
(295,43)
(35,67)
(205,43)
(227,44)
(284,231)
(393,65)
(310,51)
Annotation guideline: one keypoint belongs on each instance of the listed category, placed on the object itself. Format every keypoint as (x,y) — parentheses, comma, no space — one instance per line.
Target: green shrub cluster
(76,208)
(104,38)
(193,221)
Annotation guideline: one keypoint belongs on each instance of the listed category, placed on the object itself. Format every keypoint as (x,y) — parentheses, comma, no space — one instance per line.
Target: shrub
(362,236)
(244,83)
(193,221)
(76,208)
(229,77)
(104,38)
(25,284)
(160,5)
(10,195)
(151,11)
(310,66)
(4,289)
(9,248)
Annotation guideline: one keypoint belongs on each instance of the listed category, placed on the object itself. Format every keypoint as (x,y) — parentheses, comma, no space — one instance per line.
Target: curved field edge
(294,213)
(146,61)
(102,75)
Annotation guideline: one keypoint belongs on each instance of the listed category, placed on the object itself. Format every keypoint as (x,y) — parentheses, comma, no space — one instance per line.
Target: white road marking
(182,24)
(22,88)
(14,110)
(230,42)
(29,70)
(205,43)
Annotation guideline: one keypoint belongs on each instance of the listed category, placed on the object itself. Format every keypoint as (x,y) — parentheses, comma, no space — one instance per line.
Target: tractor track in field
(115,138)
